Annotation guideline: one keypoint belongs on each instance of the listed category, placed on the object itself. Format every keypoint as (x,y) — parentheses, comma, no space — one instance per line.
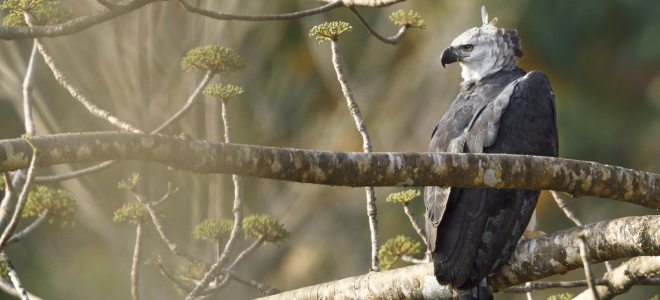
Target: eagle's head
(484,50)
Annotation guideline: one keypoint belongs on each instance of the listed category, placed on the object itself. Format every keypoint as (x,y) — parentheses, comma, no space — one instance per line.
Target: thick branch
(548,255)
(73,26)
(578,178)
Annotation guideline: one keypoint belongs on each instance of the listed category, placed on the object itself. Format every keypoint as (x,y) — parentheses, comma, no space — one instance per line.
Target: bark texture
(624,277)
(548,255)
(578,178)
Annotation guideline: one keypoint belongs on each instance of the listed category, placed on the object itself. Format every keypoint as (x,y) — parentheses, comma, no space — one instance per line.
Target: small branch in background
(189,103)
(241,257)
(391,40)
(221,16)
(571,215)
(415,222)
(155,218)
(22,200)
(633,272)
(9,288)
(263,288)
(14,278)
(586,260)
(238,216)
(28,85)
(171,278)
(366,147)
(137,257)
(55,178)
(18,236)
(110,5)
(75,92)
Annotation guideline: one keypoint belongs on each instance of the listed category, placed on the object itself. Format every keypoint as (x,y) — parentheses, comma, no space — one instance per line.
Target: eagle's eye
(467,47)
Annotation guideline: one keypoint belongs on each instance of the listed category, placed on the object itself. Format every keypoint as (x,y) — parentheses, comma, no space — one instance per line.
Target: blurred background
(602,58)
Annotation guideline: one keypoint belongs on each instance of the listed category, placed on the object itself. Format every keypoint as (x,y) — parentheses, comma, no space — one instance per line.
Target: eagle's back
(472,232)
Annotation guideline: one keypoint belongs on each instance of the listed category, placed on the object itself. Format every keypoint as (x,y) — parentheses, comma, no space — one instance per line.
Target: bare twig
(415,222)
(191,101)
(161,230)
(137,257)
(390,40)
(263,288)
(75,92)
(366,147)
(28,85)
(171,278)
(586,260)
(73,26)
(54,178)
(238,216)
(9,288)
(241,257)
(22,200)
(221,16)
(571,215)
(14,278)
(18,236)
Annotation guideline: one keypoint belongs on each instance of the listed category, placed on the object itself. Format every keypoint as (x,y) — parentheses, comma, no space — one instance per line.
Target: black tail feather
(484,291)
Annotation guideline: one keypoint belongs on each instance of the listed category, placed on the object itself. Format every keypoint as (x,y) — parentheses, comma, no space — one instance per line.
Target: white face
(478,52)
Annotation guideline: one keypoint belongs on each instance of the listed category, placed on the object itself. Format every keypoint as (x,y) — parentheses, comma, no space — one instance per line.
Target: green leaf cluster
(566,296)
(133,181)
(134,212)
(656,297)
(412,19)
(213,230)
(329,30)
(223,93)
(221,61)
(59,204)
(43,12)
(403,197)
(263,226)
(188,274)
(391,252)
(2,182)
(4,269)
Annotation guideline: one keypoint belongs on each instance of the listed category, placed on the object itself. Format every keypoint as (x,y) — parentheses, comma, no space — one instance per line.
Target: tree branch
(586,261)
(191,101)
(548,255)
(415,222)
(357,169)
(73,26)
(221,16)
(28,85)
(354,109)
(17,237)
(391,40)
(8,231)
(624,277)
(137,257)
(14,278)
(9,288)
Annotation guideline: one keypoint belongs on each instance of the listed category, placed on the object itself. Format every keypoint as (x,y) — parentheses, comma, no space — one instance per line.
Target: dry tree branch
(137,257)
(534,286)
(263,288)
(18,236)
(238,215)
(249,250)
(222,16)
(415,222)
(390,40)
(573,217)
(586,260)
(189,103)
(366,147)
(73,26)
(61,177)
(578,178)
(548,255)
(171,278)
(14,278)
(621,279)
(28,85)
(8,231)
(9,288)
(110,5)
(369,3)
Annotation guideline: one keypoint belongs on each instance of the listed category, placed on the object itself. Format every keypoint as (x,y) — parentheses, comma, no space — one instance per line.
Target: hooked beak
(448,57)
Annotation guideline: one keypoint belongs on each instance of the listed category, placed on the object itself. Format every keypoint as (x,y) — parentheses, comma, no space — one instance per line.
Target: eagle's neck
(476,70)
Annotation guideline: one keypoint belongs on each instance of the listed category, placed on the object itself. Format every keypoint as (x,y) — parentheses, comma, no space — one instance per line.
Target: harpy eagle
(500,109)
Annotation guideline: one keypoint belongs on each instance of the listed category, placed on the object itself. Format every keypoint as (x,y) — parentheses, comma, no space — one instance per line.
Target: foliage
(263,226)
(2,182)
(223,93)
(133,182)
(188,274)
(134,212)
(566,296)
(20,5)
(213,230)
(329,31)
(45,13)
(656,297)
(394,248)
(4,269)
(404,197)
(413,19)
(221,61)
(57,203)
